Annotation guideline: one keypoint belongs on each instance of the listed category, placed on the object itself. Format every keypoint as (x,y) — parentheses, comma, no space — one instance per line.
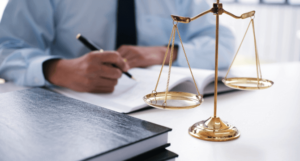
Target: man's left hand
(138,56)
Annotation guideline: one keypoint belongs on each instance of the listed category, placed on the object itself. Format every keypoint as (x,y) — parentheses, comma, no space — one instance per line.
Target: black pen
(93,48)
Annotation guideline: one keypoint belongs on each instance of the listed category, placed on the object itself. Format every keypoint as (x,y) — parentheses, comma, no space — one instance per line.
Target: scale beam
(216,9)
(243,16)
(181,19)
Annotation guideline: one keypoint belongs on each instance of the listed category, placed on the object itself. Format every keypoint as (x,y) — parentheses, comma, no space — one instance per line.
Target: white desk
(267,119)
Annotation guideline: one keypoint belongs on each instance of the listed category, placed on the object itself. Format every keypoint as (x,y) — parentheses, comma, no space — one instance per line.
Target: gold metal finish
(212,129)
(175,100)
(166,54)
(201,14)
(238,50)
(246,83)
(188,63)
(216,65)
(170,63)
(181,19)
(243,16)
(248,14)
(181,99)
(78,35)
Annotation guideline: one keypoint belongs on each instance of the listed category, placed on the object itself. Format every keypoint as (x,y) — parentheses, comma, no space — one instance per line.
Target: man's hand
(145,56)
(90,73)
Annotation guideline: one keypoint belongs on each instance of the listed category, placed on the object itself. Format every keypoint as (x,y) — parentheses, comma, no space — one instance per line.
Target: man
(38,45)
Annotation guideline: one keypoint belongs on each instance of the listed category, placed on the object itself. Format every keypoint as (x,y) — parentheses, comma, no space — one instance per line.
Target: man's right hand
(92,72)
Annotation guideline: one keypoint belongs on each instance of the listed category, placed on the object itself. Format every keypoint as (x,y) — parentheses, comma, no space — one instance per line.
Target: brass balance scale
(212,129)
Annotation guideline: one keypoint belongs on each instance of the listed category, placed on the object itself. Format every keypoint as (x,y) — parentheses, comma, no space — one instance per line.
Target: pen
(93,48)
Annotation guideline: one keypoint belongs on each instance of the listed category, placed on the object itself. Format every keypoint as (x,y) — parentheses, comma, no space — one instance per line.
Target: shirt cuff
(35,76)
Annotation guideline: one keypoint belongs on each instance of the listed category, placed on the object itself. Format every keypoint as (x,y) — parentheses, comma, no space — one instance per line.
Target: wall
(277,31)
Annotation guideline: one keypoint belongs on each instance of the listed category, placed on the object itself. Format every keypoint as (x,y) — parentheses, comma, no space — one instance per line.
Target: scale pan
(175,100)
(246,83)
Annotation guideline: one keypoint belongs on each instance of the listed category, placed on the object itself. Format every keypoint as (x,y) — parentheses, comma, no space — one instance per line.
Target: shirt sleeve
(198,38)
(26,32)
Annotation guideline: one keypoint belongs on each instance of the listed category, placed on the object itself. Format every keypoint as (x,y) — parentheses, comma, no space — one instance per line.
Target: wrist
(174,57)
(50,70)
(175,53)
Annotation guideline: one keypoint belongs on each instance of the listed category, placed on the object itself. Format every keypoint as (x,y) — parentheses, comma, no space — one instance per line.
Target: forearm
(25,41)
(88,73)
(142,56)
(24,66)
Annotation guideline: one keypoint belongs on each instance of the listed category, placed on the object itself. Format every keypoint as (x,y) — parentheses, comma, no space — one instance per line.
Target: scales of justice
(213,128)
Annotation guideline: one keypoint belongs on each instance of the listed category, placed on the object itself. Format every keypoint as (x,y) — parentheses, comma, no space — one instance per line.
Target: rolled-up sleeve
(26,32)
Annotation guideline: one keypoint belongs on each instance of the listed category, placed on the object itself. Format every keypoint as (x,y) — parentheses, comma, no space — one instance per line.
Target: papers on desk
(128,94)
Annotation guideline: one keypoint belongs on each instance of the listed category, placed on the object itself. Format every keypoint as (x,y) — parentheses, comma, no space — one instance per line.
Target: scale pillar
(215,10)
(214,129)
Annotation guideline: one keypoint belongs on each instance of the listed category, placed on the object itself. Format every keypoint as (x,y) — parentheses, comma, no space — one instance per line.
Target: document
(128,94)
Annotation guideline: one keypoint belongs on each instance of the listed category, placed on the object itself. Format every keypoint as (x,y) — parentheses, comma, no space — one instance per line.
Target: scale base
(214,129)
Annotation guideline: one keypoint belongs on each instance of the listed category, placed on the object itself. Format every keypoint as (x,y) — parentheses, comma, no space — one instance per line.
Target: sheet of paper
(128,94)
(202,77)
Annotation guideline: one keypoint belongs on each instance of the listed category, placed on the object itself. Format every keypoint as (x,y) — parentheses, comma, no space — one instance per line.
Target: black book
(157,154)
(37,124)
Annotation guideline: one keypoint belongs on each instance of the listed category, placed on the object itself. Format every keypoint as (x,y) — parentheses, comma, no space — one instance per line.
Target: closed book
(38,124)
(157,154)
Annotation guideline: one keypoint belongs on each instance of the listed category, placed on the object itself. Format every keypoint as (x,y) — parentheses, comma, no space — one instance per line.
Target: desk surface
(267,119)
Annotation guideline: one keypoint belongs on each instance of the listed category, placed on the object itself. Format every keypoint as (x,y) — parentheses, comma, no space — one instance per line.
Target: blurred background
(277,27)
